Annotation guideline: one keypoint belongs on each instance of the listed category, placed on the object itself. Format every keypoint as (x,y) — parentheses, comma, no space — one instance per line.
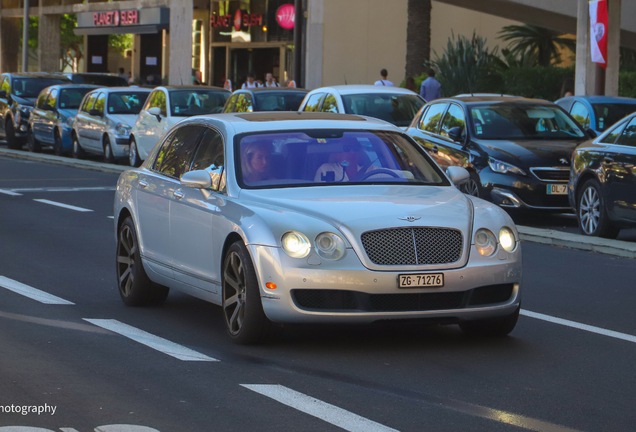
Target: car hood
(531,153)
(128,119)
(356,209)
(24,101)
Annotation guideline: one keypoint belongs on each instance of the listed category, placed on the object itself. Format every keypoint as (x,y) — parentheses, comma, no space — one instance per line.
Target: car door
(38,115)
(49,120)
(94,118)
(620,170)
(194,227)
(82,120)
(426,133)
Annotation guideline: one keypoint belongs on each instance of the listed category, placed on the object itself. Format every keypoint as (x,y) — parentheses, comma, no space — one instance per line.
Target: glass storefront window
(248,21)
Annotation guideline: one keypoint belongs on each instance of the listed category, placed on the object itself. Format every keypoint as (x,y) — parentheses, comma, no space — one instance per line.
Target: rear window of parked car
(398,109)
(279,101)
(72,98)
(185,103)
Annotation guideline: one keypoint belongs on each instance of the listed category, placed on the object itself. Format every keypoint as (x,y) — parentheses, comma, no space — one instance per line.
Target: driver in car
(347,166)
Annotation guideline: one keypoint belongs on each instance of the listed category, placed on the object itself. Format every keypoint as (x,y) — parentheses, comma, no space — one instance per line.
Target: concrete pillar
(314,48)
(9,44)
(613,47)
(165,58)
(136,59)
(181,16)
(582,48)
(49,48)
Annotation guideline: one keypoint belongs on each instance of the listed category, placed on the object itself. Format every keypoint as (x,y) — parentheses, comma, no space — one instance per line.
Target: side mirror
(591,132)
(455,134)
(95,113)
(458,175)
(3,94)
(198,179)
(155,111)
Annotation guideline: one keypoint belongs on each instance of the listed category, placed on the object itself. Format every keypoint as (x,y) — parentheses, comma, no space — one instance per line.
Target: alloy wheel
(234,293)
(590,210)
(472,188)
(132,154)
(126,260)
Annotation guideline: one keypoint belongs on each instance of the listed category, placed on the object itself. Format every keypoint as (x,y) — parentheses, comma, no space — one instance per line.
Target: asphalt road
(547,376)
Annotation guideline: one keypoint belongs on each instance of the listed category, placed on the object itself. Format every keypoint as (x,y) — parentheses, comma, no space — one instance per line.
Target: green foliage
(33,32)
(70,43)
(541,82)
(121,42)
(466,66)
(627,84)
(540,43)
(627,59)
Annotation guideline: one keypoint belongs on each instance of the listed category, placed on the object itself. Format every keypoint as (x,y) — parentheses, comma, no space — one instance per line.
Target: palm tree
(544,43)
(418,37)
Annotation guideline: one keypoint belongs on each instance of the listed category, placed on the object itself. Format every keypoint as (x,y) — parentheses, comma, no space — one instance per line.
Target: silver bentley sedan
(312,217)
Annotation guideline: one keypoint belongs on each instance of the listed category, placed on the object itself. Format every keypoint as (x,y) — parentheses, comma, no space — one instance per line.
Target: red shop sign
(239,19)
(116,18)
(286,16)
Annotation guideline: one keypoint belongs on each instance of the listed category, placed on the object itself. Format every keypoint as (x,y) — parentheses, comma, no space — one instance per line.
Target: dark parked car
(265,99)
(51,121)
(18,92)
(517,150)
(597,112)
(602,186)
(98,79)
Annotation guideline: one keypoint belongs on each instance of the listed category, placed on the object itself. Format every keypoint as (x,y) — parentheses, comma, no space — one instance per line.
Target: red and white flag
(598,32)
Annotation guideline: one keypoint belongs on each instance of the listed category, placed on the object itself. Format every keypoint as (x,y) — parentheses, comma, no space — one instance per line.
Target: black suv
(517,150)
(18,93)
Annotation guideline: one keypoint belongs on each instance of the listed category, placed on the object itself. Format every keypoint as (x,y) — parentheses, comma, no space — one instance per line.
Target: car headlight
(485,242)
(504,167)
(507,239)
(296,244)
(330,246)
(122,129)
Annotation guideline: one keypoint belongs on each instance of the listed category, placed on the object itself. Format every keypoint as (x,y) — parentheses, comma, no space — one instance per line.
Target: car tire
(32,144)
(135,287)
(494,327)
(77,152)
(473,186)
(12,141)
(591,212)
(108,151)
(243,313)
(58,146)
(133,154)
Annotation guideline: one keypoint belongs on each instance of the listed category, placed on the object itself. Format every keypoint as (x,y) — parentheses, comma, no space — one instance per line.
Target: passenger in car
(255,162)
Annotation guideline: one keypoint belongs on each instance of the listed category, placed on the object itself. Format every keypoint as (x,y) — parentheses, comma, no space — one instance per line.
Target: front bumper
(375,293)
(120,145)
(518,191)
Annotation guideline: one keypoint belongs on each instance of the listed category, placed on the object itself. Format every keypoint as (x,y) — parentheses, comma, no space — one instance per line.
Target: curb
(61,160)
(617,248)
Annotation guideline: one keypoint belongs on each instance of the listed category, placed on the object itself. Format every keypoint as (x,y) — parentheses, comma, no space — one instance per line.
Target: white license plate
(557,189)
(427,280)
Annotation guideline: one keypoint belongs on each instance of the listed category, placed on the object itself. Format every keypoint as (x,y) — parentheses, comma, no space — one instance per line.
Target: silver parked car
(312,217)
(104,121)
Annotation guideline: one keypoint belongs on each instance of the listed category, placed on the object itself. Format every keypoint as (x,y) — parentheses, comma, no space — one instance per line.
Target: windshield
(398,109)
(330,158)
(185,103)
(126,103)
(610,113)
(510,120)
(279,101)
(100,80)
(72,98)
(31,87)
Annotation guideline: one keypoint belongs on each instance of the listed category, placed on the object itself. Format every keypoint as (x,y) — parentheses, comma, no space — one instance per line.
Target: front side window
(52,99)
(90,101)
(433,117)
(100,103)
(454,118)
(278,100)
(210,156)
(159,101)
(331,157)
(244,103)
(126,102)
(72,98)
(398,109)
(580,113)
(31,87)
(6,84)
(175,154)
(41,100)
(313,103)
(628,137)
(185,103)
(523,121)
(230,105)
(330,104)
(609,113)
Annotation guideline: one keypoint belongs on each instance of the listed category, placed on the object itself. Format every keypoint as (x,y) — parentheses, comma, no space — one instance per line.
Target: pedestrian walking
(431,89)
(270,81)
(384,82)
(251,82)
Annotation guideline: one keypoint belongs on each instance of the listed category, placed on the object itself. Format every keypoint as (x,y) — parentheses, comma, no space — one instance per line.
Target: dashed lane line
(580,326)
(32,293)
(155,342)
(9,192)
(331,414)
(58,204)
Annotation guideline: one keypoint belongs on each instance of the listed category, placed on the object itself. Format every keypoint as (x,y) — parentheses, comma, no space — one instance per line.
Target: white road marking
(32,293)
(150,340)
(580,326)
(8,192)
(55,203)
(66,189)
(317,408)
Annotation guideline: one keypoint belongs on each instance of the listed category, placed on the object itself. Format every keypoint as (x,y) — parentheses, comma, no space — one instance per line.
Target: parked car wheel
(472,186)
(32,144)
(133,154)
(495,327)
(245,320)
(58,147)
(78,151)
(135,288)
(108,151)
(12,141)
(591,212)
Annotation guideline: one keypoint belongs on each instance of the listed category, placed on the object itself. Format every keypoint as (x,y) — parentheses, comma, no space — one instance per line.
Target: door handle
(178,194)
(434,149)
(142,123)
(143,184)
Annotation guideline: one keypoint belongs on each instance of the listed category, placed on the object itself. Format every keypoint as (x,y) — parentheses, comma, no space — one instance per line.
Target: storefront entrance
(260,61)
